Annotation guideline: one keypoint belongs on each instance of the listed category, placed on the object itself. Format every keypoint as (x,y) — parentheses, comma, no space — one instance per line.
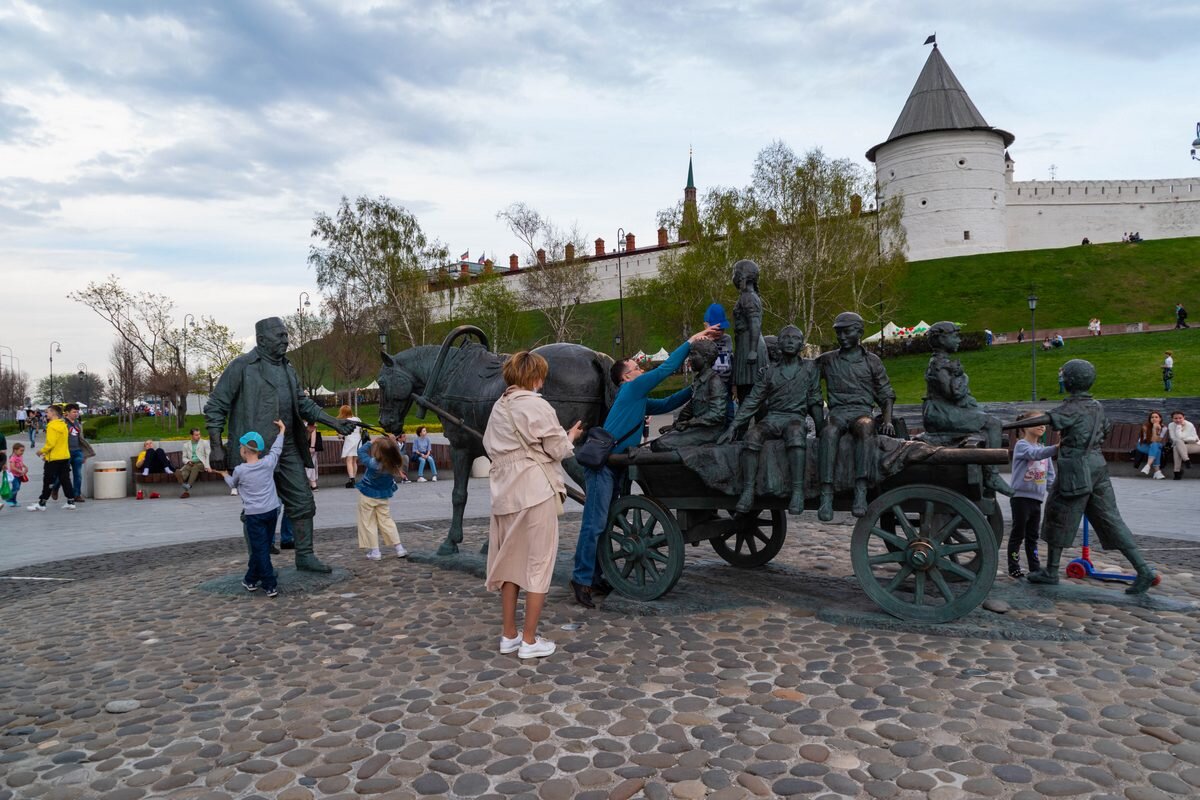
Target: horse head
(396,387)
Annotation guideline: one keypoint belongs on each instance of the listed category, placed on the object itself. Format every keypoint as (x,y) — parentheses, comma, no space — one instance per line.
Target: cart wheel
(907,572)
(757,541)
(641,553)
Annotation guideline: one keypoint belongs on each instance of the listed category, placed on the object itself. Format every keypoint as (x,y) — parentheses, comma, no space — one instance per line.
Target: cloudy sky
(186,146)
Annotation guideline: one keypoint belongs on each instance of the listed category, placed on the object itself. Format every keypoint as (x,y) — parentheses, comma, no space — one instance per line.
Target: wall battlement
(1071,192)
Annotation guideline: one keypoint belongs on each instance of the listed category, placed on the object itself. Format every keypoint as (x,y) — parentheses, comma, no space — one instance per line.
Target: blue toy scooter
(1082,567)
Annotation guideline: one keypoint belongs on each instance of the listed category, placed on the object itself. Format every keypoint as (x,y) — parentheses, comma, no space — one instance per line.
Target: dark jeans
(260,530)
(54,474)
(1026,520)
(76,473)
(156,461)
(603,487)
(285,531)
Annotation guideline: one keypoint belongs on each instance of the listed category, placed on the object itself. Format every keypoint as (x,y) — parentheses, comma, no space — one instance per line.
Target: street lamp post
(55,347)
(87,386)
(302,302)
(1033,340)
(1196,143)
(620,287)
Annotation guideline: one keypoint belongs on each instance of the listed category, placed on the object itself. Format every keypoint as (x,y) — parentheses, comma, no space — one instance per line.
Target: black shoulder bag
(598,444)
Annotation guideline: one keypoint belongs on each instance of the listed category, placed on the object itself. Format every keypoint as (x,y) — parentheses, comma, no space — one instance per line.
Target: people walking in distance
(350,446)
(1168,371)
(314,450)
(526,444)
(1180,316)
(1184,442)
(423,453)
(1150,442)
(1032,476)
(383,461)
(57,455)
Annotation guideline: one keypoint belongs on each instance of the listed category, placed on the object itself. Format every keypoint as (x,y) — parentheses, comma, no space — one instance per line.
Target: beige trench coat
(517,481)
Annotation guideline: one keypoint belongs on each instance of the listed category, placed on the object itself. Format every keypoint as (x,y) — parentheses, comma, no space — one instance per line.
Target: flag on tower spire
(931,39)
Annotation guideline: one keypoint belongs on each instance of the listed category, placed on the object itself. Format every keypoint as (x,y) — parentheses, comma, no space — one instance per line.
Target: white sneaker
(510,645)
(373,555)
(401,552)
(68,506)
(420,480)
(1146,469)
(539,649)
(1158,476)
(233,492)
(35,507)
(434,479)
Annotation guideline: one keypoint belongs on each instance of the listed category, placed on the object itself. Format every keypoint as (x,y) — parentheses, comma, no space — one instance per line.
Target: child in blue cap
(254,479)
(723,366)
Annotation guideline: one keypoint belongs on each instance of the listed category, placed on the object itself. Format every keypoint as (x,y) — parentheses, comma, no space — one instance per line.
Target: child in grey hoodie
(1032,474)
(255,480)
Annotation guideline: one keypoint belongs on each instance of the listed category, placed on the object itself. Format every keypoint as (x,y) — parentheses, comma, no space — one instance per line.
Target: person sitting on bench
(153,461)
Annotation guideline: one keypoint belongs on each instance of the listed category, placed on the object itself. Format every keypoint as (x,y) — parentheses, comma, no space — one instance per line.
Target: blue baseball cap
(715,315)
(253,440)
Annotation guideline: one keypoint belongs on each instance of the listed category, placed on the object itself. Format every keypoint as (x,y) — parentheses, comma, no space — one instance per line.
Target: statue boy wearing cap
(855,382)
(254,390)
(1083,485)
(789,391)
(949,407)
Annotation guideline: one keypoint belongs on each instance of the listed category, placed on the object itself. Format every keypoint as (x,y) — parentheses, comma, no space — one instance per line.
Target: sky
(186,146)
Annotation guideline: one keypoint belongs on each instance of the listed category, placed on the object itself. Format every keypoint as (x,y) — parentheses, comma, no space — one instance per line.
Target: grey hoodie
(1032,469)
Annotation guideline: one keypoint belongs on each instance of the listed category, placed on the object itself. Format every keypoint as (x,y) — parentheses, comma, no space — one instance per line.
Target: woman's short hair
(345,412)
(525,369)
(421,431)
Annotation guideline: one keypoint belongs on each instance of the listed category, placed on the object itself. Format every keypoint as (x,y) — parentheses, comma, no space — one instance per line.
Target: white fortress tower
(949,166)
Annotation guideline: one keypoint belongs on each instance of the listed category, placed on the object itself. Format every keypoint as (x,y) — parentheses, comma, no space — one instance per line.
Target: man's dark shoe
(1187,463)
(54,495)
(583,595)
(1178,475)
(601,587)
(288,545)
(350,484)
(274,550)
(310,563)
(79,499)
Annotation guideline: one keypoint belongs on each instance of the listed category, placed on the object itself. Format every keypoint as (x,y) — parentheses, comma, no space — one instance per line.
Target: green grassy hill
(1115,282)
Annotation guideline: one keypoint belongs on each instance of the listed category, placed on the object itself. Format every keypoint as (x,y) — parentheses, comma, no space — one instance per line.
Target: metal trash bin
(110,480)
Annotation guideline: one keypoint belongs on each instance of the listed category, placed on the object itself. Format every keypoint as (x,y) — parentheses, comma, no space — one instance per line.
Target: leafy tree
(374,255)
(351,343)
(14,388)
(304,329)
(126,379)
(493,306)
(557,287)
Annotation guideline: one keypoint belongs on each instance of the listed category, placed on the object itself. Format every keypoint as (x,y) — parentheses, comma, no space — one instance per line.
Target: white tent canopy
(661,355)
(371,385)
(322,391)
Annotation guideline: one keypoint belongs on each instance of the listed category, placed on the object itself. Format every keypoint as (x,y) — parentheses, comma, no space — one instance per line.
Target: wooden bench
(329,460)
(175,458)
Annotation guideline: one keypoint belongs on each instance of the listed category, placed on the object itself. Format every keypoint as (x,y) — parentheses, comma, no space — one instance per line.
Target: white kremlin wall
(1043,214)
(953,184)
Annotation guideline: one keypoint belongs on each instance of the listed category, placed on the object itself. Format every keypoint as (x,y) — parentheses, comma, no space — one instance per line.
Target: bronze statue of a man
(749,349)
(949,407)
(790,391)
(255,389)
(855,382)
(1082,486)
(702,420)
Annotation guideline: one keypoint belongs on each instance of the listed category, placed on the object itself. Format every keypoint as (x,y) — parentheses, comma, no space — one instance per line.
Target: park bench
(329,460)
(175,458)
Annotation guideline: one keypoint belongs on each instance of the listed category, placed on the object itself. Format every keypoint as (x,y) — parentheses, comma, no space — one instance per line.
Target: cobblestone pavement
(129,682)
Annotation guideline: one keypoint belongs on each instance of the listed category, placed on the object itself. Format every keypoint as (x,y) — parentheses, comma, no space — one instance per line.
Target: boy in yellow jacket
(58,461)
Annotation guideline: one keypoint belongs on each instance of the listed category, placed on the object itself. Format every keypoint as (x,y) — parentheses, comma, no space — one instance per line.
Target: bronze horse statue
(465,381)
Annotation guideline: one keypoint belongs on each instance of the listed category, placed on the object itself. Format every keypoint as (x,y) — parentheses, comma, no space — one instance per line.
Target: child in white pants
(383,461)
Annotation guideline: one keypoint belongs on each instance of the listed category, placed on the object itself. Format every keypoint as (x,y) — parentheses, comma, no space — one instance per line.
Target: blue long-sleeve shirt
(375,482)
(633,402)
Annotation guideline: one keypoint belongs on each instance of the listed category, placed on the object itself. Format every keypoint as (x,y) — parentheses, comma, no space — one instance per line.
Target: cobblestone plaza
(131,681)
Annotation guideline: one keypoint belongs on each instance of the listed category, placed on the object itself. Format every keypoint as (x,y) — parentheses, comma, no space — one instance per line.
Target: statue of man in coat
(255,389)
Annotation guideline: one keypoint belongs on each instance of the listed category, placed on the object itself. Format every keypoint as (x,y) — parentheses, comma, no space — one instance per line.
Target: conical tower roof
(938,102)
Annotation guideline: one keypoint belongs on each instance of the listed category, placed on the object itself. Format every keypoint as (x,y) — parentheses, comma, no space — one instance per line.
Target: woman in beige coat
(525,443)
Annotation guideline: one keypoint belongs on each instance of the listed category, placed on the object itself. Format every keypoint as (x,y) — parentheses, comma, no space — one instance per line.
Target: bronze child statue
(1083,485)
(855,382)
(749,349)
(702,420)
(949,407)
(790,391)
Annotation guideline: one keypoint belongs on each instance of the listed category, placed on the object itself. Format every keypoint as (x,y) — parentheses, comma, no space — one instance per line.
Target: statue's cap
(1078,375)
(263,325)
(847,319)
(945,326)
(792,329)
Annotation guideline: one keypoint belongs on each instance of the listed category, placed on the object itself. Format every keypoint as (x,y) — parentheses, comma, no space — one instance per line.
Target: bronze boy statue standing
(790,391)
(703,418)
(855,382)
(1083,485)
(749,349)
(949,407)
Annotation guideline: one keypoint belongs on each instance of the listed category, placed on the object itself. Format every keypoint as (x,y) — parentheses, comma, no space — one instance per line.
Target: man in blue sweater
(624,422)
